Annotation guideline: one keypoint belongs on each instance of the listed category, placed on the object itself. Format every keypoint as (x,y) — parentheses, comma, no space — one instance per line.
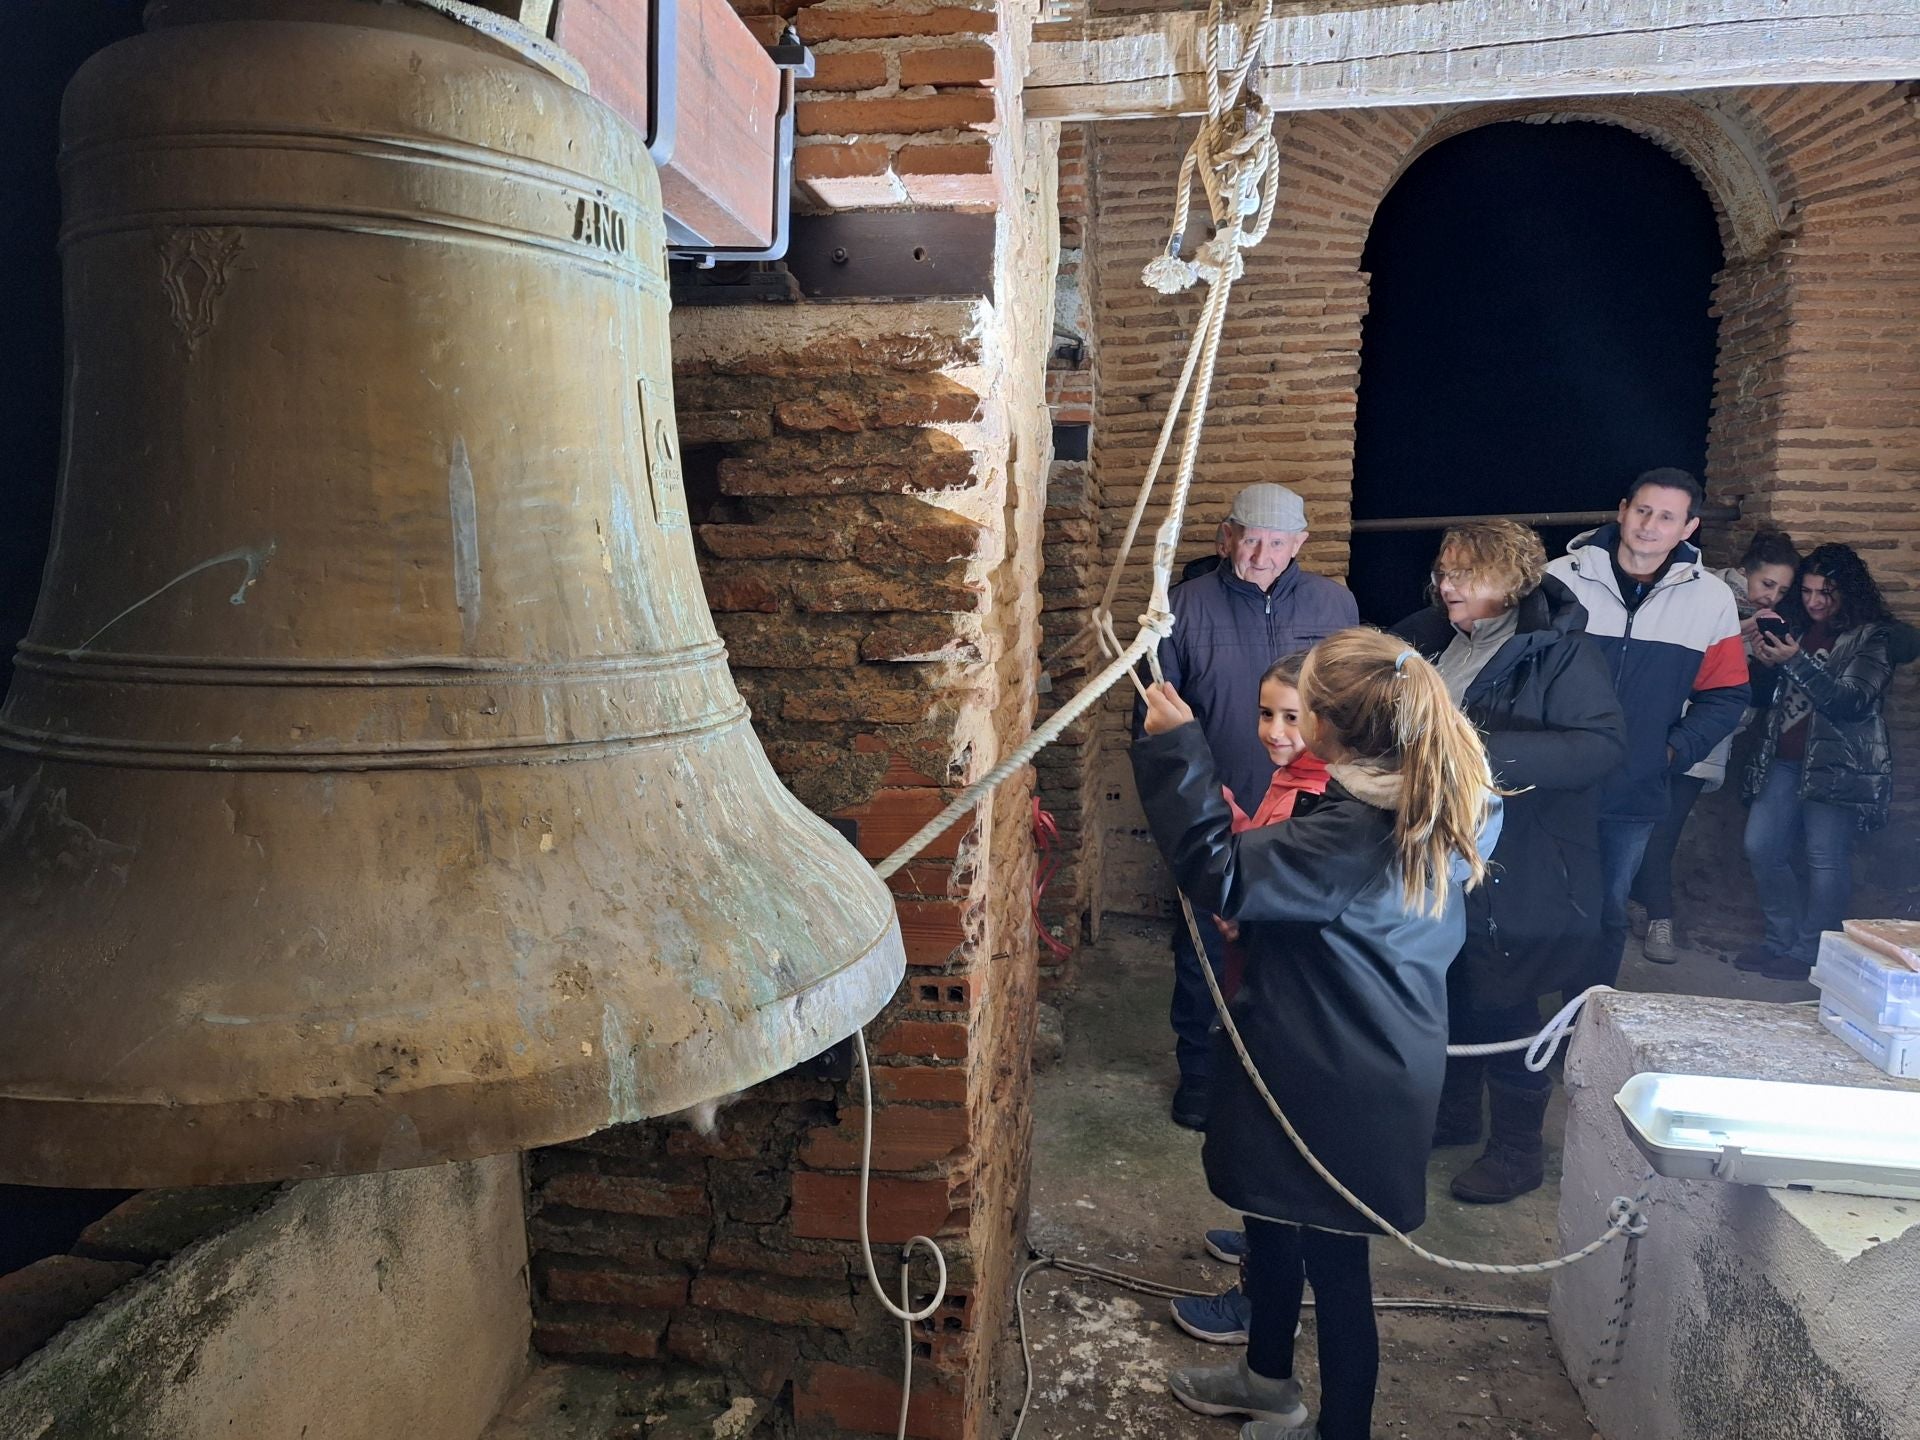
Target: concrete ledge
(1759,1314)
(361,1308)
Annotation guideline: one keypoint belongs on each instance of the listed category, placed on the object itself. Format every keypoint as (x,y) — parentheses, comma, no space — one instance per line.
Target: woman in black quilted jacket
(1823,770)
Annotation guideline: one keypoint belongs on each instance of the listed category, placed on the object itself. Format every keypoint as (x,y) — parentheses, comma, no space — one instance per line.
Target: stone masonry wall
(869,485)
(1814,425)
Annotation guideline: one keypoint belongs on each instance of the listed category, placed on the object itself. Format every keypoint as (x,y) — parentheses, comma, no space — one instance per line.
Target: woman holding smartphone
(1823,770)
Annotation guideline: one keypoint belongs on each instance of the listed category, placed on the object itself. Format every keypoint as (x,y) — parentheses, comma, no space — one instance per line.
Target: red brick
(780,1302)
(848,176)
(961,993)
(894,115)
(817,22)
(632,1335)
(39,1300)
(762,1357)
(933,1039)
(849,70)
(893,816)
(868,1403)
(624,1195)
(568,1284)
(902,769)
(933,929)
(921,639)
(905,1137)
(950,65)
(864,695)
(736,1251)
(945,1084)
(959,174)
(855,589)
(776,542)
(827,1207)
(740,592)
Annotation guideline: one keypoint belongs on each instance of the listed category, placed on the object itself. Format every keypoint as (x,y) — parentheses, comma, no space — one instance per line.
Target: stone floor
(1116,1184)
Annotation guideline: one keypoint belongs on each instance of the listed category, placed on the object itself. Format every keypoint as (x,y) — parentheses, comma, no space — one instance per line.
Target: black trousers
(1653,886)
(1281,1261)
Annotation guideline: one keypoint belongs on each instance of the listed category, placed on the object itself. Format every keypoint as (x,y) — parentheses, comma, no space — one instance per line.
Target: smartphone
(1772,625)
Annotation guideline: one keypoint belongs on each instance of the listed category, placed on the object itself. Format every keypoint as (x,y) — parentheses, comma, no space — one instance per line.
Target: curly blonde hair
(1504,553)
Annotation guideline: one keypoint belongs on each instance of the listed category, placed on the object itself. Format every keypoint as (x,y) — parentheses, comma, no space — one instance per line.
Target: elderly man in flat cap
(1230,623)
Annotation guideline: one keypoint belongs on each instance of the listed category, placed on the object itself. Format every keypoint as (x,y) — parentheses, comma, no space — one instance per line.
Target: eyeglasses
(1450,577)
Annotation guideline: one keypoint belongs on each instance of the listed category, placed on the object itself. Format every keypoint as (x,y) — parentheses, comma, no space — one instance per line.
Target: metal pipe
(1715,513)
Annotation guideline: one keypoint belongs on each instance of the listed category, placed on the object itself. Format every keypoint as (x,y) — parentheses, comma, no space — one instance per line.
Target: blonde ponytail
(1390,708)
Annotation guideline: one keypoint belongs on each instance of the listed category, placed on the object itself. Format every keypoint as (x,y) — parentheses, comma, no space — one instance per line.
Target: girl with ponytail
(1348,916)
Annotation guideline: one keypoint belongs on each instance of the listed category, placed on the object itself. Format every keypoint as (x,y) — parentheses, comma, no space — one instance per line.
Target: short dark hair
(1770,547)
(1670,477)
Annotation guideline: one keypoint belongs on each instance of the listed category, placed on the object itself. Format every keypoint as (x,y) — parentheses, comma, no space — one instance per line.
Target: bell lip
(79,1143)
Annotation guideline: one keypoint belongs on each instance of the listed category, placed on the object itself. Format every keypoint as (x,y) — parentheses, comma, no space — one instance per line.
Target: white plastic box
(1881,993)
(1895,1051)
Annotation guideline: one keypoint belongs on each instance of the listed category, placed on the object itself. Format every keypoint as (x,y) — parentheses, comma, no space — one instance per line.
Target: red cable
(1046,834)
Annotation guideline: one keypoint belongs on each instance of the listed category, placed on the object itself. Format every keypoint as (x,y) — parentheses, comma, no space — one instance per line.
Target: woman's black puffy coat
(1849,759)
(1343,1006)
(1546,708)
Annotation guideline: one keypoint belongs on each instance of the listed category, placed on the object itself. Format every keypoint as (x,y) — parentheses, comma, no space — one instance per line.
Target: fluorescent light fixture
(1766,1132)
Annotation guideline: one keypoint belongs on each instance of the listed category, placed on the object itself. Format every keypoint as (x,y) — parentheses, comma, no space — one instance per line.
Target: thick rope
(1236,158)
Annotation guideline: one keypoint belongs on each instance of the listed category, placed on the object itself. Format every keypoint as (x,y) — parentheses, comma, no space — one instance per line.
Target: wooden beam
(1433,51)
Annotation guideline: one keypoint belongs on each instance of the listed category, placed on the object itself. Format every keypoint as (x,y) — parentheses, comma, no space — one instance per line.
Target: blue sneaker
(1229,1247)
(1216,1319)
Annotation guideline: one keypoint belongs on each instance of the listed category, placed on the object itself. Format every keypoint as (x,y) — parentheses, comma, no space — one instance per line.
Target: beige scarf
(1369,784)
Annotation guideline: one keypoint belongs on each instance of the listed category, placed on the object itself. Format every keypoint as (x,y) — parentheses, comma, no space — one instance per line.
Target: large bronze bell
(374,792)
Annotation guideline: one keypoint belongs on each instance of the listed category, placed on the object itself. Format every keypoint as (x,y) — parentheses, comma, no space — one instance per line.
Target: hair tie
(1400,661)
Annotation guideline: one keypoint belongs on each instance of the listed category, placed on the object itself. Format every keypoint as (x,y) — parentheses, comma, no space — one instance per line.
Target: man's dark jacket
(1545,706)
(1226,632)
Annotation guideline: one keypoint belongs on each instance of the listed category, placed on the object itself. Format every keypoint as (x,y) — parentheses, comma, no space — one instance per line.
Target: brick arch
(1724,153)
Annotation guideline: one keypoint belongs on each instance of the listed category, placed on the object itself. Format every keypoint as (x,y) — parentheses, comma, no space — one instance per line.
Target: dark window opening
(1538,333)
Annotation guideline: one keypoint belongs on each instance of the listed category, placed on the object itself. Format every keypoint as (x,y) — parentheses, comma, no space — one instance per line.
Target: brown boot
(1459,1121)
(1515,1159)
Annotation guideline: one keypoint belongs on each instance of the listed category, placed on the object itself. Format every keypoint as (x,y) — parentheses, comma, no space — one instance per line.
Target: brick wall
(1814,425)
(871,479)
(1071,582)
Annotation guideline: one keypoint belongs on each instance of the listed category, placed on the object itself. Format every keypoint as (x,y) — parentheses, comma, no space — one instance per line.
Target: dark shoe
(1515,1160)
(1229,1247)
(1785,967)
(1459,1121)
(1216,1319)
(1190,1104)
(1754,959)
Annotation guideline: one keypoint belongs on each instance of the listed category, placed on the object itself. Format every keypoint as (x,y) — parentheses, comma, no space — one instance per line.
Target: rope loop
(1627,1216)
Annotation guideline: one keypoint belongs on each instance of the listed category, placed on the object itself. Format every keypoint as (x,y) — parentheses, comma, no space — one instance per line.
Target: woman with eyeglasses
(1509,641)
(1823,770)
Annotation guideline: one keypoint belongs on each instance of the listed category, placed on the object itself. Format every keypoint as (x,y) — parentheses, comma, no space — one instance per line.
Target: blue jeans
(1192,1012)
(1780,818)
(1623,844)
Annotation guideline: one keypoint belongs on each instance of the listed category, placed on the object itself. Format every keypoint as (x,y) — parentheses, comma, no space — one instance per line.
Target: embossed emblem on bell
(373,790)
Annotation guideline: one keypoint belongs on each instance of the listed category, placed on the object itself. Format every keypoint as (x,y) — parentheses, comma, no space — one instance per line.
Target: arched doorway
(1539,331)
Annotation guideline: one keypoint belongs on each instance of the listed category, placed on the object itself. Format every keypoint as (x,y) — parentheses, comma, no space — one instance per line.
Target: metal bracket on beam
(870,255)
(893,255)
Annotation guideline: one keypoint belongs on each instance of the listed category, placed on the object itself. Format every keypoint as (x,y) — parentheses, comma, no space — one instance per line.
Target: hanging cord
(1141,1285)
(1543,1047)
(1622,1215)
